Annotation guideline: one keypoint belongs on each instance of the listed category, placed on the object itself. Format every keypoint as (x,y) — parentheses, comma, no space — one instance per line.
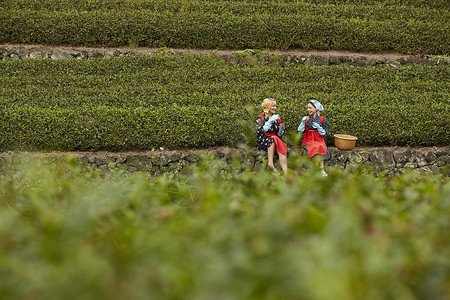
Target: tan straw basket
(345,142)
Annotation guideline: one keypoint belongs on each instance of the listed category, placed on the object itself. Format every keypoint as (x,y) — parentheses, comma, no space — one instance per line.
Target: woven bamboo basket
(344,141)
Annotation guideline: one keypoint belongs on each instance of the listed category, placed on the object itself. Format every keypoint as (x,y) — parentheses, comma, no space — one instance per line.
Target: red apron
(280,146)
(315,143)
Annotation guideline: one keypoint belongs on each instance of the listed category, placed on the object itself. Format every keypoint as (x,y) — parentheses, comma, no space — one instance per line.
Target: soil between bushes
(146,50)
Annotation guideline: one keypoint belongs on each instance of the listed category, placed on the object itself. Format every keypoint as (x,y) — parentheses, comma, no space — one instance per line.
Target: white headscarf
(317,105)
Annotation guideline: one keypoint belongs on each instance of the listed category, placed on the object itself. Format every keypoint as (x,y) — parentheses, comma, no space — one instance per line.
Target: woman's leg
(270,154)
(283,162)
(321,167)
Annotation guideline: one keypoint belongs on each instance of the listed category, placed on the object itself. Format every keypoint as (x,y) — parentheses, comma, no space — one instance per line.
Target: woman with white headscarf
(315,127)
(269,131)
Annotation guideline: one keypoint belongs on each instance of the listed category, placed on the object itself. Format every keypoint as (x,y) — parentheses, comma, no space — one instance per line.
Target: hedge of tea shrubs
(406,27)
(68,232)
(198,101)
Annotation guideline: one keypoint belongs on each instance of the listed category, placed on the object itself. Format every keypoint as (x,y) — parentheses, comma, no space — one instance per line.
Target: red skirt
(280,146)
(315,143)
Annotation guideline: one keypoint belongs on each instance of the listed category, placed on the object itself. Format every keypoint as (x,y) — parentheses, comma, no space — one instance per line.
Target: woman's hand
(319,128)
(273,118)
(269,122)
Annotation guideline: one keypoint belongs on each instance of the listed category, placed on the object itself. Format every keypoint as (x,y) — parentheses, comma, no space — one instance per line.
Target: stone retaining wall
(387,160)
(239,57)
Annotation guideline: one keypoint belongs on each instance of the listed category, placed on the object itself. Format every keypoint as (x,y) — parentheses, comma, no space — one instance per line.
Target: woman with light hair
(269,131)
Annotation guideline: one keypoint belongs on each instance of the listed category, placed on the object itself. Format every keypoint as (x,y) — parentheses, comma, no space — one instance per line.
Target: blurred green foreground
(69,232)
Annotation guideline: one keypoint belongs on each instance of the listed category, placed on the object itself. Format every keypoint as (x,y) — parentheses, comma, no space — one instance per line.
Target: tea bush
(67,231)
(369,26)
(198,101)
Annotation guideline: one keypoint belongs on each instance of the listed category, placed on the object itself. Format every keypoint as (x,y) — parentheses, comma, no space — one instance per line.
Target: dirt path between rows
(146,50)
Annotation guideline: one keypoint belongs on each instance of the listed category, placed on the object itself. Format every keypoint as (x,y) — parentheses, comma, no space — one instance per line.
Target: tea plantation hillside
(127,222)
(414,26)
(197,101)
(200,101)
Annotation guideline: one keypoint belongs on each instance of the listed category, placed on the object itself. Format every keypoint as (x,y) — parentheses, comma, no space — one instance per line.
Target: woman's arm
(326,126)
(281,127)
(269,123)
(301,126)
(259,131)
(258,123)
(322,129)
